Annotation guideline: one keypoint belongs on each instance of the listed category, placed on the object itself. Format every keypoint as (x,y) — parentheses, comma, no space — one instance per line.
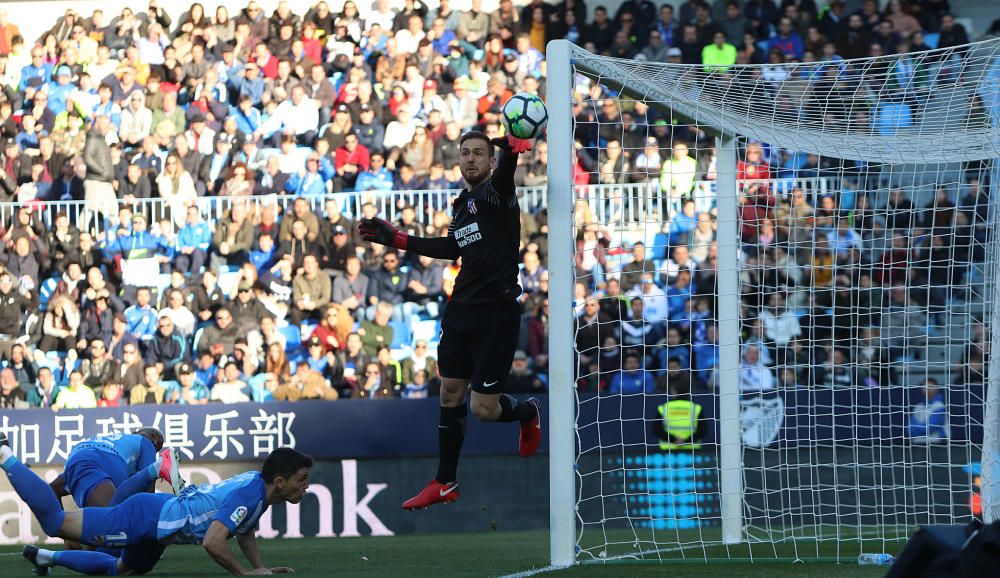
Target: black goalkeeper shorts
(478,343)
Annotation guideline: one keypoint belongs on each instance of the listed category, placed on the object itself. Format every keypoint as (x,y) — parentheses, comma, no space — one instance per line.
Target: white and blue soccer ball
(525,116)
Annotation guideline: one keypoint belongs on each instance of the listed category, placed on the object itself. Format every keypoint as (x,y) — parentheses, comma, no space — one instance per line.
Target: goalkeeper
(480,326)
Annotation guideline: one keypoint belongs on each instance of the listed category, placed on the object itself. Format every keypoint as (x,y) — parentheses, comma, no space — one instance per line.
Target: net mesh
(866,259)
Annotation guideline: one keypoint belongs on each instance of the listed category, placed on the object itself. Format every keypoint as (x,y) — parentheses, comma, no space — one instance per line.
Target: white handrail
(611,203)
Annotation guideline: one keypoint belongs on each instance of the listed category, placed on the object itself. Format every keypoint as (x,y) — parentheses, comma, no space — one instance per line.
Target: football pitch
(488,554)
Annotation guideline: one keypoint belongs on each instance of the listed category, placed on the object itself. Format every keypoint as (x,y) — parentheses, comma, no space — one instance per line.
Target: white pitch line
(536,571)
(533,572)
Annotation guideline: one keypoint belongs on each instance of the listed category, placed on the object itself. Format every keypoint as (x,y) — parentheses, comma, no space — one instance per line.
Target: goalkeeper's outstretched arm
(384,233)
(502,179)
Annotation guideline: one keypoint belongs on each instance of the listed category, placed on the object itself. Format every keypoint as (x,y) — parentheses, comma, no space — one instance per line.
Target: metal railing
(611,203)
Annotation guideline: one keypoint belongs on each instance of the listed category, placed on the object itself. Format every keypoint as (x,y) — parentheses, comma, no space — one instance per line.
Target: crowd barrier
(612,204)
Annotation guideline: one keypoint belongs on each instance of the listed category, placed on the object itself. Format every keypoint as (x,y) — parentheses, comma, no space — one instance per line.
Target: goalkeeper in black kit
(480,326)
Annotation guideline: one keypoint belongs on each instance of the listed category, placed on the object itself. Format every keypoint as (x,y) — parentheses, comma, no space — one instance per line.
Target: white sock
(5,454)
(154,468)
(44,557)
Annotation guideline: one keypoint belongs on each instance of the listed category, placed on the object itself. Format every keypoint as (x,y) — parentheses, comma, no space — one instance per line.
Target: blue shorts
(130,525)
(88,469)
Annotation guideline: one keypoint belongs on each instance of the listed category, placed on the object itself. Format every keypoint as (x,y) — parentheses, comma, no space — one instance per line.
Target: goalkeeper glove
(512,144)
(382,232)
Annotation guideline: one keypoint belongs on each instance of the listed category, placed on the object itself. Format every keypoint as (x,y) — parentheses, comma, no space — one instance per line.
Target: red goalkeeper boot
(531,432)
(434,493)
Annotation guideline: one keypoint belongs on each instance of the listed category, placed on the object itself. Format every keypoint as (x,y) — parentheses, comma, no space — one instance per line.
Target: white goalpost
(773,291)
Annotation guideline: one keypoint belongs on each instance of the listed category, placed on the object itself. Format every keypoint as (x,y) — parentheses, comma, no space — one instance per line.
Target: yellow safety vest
(680,421)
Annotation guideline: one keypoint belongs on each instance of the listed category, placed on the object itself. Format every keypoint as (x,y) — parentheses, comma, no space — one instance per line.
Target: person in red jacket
(350,160)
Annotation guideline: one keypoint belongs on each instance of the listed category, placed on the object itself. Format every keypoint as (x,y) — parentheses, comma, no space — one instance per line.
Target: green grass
(493,554)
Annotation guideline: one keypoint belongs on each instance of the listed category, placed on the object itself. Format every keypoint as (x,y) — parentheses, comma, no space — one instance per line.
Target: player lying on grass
(480,326)
(98,467)
(145,524)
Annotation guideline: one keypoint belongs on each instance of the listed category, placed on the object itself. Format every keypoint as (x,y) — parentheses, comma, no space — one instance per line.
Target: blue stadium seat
(293,335)
(658,247)
(293,342)
(400,334)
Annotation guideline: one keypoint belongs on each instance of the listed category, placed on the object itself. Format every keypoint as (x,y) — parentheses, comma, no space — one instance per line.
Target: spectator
(334,327)
(631,379)
(166,349)
(311,291)
(352,159)
(754,376)
(99,369)
(474,25)
(151,390)
(140,318)
(75,396)
(424,288)
(952,33)
(720,55)
(420,360)
(787,40)
(928,422)
(298,115)
(300,212)
(219,339)
(377,332)
(193,242)
(632,272)
(374,385)
(522,379)
(230,388)
(186,391)
(11,395)
(62,320)
(386,285)
(300,244)
(232,239)
(591,327)
(350,288)
(43,393)
(306,384)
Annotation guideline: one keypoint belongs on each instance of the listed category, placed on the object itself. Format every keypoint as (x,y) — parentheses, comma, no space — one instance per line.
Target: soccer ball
(525,116)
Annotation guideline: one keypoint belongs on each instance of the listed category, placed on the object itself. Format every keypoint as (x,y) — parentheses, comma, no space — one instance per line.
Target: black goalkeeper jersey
(486,225)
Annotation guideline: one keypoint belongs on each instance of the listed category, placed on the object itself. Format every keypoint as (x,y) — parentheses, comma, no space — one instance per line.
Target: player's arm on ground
(215,543)
(248,544)
(385,233)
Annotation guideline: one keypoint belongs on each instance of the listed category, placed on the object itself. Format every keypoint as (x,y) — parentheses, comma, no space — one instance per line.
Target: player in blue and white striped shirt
(144,524)
(98,467)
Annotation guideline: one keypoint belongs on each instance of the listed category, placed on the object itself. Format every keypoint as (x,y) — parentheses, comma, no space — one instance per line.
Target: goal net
(784,283)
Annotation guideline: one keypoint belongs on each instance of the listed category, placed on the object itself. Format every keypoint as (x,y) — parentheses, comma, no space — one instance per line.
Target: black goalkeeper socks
(513,410)
(451,434)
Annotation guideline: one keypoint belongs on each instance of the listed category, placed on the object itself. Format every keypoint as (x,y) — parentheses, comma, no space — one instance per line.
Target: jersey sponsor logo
(468,234)
(473,209)
(238,515)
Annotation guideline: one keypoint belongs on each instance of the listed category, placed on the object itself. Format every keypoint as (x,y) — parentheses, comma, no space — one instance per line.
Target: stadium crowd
(143,116)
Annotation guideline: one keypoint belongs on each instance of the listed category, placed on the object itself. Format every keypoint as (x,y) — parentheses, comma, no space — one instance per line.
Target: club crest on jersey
(238,515)
(473,209)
